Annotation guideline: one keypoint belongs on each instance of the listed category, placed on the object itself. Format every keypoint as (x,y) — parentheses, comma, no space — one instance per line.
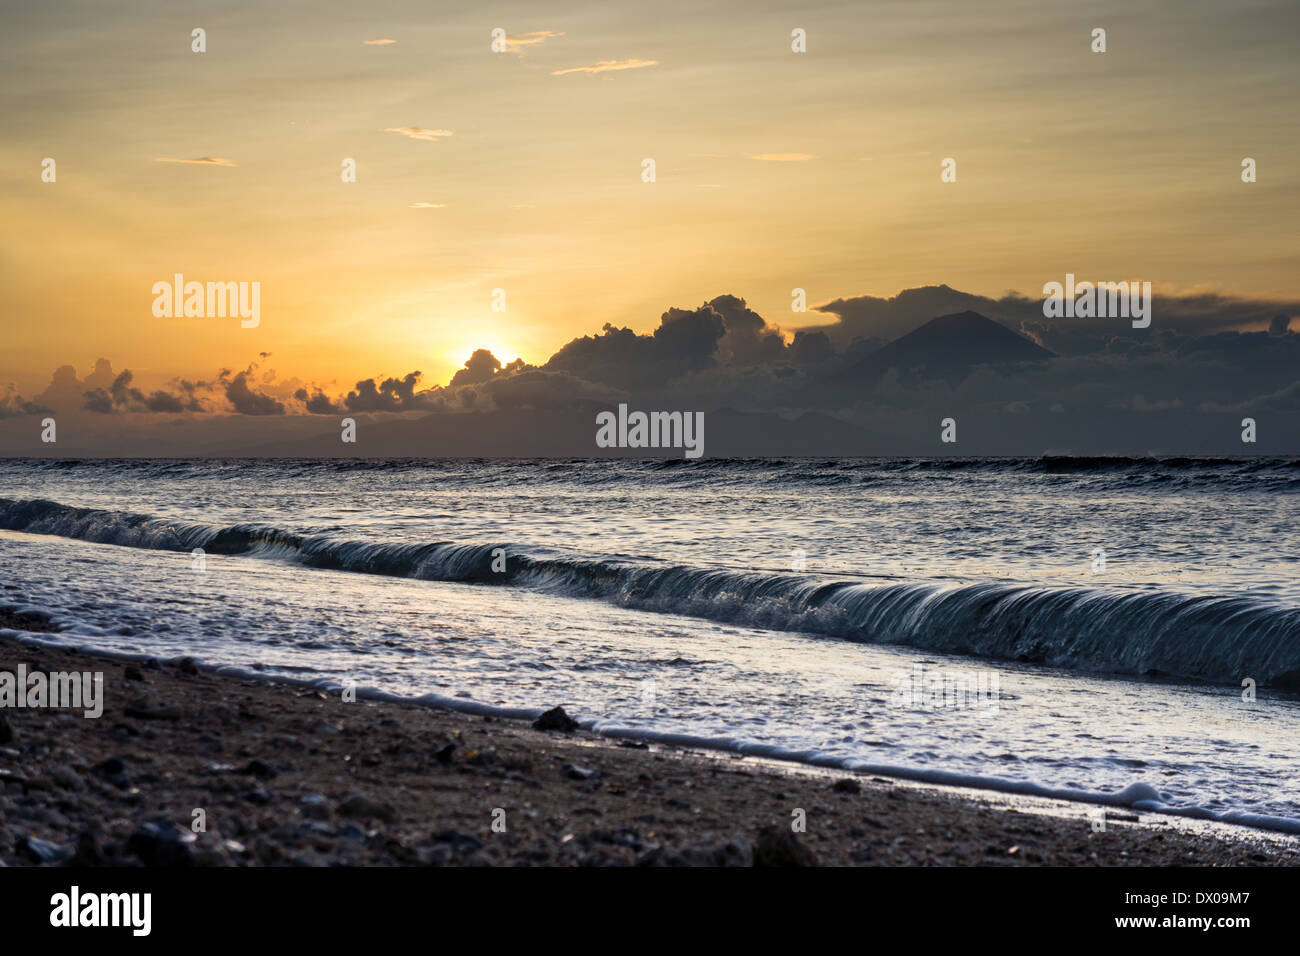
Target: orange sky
(775,169)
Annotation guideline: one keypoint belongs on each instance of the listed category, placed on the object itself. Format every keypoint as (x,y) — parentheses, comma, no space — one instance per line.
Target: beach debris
(556,719)
(360,805)
(777,846)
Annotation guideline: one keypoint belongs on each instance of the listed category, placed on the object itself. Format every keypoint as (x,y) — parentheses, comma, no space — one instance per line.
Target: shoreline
(283,774)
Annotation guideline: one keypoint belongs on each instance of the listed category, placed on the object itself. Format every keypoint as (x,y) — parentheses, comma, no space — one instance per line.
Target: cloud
(479,367)
(1193,313)
(318,403)
(428,205)
(1112,391)
(518,44)
(200,161)
(390,395)
(244,398)
(120,396)
(784,157)
(416,132)
(13,405)
(382,42)
(606,66)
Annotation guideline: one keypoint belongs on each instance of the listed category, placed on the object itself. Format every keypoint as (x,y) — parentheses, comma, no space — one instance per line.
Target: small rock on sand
(556,719)
(359,805)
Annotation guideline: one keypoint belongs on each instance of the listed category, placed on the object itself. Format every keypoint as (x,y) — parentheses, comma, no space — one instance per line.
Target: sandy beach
(281,775)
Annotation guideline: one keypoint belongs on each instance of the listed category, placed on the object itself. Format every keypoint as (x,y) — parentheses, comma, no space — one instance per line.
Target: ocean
(1110,630)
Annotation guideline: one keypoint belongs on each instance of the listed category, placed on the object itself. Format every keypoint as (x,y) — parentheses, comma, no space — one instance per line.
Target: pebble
(359,805)
(556,719)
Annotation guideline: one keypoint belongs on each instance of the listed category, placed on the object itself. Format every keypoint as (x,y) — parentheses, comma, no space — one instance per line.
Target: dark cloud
(13,405)
(390,395)
(244,399)
(1205,362)
(120,396)
(685,341)
(318,403)
(479,368)
(1188,314)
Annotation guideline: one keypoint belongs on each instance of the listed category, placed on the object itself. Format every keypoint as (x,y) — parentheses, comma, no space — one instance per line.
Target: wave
(1148,633)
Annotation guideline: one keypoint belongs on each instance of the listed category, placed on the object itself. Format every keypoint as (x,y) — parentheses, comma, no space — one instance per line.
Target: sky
(522,170)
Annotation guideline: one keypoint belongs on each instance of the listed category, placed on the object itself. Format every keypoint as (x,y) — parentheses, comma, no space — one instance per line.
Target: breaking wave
(1146,633)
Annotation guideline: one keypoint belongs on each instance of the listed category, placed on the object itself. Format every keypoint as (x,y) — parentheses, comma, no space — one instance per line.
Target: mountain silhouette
(948,347)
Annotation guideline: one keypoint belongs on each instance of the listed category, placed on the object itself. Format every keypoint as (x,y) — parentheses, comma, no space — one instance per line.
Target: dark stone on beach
(161,843)
(778,846)
(24,621)
(359,805)
(113,770)
(188,665)
(256,768)
(131,672)
(847,785)
(316,807)
(556,719)
(145,710)
(41,851)
(444,755)
(67,778)
(121,732)
(88,852)
(6,732)
(634,745)
(575,772)
(111,767)
(440,854)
